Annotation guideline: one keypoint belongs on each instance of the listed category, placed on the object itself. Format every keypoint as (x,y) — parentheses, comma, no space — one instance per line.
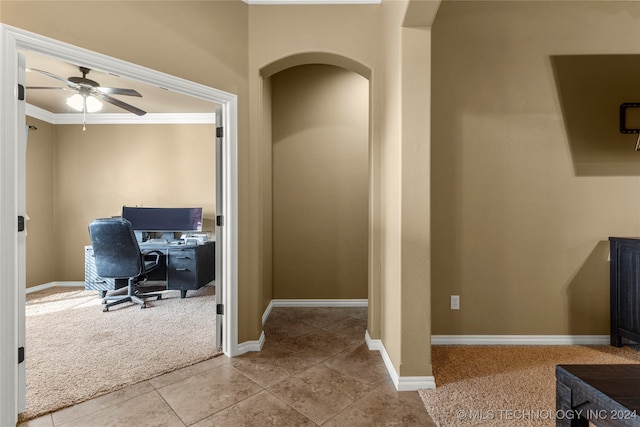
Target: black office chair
(118,256)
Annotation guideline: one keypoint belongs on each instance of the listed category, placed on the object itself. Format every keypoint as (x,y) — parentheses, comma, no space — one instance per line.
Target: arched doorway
(372,180)
(319,128)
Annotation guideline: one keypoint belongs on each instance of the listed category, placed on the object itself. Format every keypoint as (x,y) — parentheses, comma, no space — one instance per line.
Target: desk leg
(564,413)
(183,293)
(616,339)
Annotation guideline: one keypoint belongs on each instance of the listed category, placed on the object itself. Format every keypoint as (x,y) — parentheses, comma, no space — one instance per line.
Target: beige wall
(79,176)
(40,200)
(520,225)
(175,37)
(390,183)
(266,197)
(108,166)
(320,119)
(404,186)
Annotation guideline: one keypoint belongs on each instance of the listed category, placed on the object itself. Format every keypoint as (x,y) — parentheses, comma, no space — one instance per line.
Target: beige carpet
(506,385)
(75,352)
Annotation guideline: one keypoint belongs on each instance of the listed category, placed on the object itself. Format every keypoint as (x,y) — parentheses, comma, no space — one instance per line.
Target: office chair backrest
(115,248)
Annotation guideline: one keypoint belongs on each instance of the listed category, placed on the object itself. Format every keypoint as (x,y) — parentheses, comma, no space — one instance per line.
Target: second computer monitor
(164,220)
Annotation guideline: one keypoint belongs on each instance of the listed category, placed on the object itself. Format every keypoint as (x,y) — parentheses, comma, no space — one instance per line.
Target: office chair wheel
(105,309)
(143,306)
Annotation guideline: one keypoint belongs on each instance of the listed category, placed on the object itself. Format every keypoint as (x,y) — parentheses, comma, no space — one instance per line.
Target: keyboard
(162,242)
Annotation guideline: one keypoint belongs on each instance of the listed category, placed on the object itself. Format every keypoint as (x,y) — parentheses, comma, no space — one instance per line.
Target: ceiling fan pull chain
(84,115)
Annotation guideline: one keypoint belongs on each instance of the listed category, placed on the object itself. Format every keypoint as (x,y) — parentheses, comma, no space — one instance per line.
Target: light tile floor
(314,369)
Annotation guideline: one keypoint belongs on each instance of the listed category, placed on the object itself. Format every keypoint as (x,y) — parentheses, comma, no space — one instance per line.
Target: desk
(183,267)
(605,395)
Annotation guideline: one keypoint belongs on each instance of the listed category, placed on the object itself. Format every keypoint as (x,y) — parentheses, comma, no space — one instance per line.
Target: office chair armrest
(157,254)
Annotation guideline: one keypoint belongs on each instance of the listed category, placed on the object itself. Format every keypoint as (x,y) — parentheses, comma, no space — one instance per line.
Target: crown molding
(118,118)
(311,2)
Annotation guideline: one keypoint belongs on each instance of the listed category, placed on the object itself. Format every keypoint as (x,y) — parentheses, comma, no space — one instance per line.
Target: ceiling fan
(88,88)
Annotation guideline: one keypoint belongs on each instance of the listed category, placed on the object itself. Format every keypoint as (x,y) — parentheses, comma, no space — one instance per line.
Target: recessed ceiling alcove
(591,89)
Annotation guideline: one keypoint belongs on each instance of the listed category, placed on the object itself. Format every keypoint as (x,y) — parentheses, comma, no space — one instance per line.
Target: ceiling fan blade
(48,87)
(120,104)
(53,76)
(118,91)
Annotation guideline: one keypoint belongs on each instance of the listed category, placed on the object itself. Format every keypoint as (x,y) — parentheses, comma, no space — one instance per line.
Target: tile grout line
(292,407)
(169,405)
(233,404)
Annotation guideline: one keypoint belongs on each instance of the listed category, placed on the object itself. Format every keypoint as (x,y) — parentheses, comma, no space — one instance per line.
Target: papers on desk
(195,238)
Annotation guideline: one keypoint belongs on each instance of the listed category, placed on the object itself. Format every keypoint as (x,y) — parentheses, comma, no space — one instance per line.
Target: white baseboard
(312,303)
(267,312)
(248,346)
(520,339)
(400,383)
(319,302)
(53,284)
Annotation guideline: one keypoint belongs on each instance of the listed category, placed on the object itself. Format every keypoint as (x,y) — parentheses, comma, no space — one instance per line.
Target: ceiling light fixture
(84,103)
(81,103)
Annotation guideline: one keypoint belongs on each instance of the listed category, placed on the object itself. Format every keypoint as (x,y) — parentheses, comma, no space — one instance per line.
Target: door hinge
(20,92)
(219,132)
(20,355)
(219,309)
(20,223)
(219,221)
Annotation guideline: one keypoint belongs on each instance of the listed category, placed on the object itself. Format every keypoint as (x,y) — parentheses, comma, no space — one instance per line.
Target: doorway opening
(12,262)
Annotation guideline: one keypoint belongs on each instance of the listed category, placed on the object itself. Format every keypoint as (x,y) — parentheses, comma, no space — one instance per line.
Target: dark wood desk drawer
(190,267)
(182,269)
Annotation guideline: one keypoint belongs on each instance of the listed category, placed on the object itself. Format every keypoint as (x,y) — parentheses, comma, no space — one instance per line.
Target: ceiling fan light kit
(83,103)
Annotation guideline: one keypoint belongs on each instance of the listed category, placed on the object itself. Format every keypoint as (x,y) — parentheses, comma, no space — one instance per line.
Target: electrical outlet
(455,302)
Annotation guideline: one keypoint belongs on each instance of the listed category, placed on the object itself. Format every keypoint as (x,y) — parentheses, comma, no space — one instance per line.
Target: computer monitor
(163,220)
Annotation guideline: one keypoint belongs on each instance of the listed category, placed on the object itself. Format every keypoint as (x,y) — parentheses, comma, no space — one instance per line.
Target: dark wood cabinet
(625,289)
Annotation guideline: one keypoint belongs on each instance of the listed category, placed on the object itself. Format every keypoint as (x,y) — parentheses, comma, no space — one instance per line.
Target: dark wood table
(605,395)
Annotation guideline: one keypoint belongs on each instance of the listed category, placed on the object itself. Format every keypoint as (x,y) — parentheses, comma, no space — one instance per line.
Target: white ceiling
(50,104)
